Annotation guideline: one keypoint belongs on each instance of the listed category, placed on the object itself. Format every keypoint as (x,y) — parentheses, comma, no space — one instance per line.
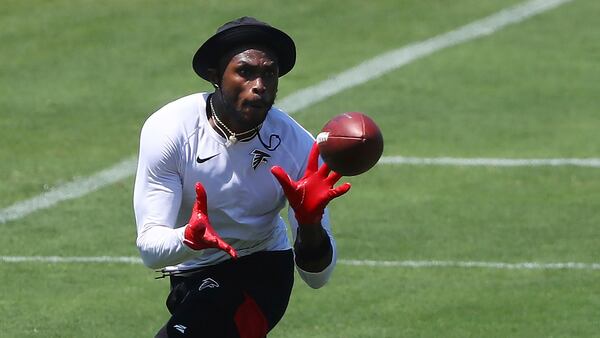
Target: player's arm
(161,245)
(157,199)
(308,197)
(314,266)
(312,248)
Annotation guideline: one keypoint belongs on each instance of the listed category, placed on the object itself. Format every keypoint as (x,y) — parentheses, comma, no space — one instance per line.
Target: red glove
(199,234)
(310,195)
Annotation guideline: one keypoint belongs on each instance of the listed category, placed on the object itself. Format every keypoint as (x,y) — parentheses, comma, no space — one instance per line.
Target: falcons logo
(259,157)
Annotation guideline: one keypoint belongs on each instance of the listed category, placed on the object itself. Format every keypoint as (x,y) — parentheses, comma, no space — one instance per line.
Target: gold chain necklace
(233,137)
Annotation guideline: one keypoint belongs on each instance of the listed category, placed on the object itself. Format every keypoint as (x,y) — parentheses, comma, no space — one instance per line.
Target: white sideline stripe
(492,162)
(126,168)
(350,262)
(76,188)
(303,98)
(467,264)
(64,259)
(397,58)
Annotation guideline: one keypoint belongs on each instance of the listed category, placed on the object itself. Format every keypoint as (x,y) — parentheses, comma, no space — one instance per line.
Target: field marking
(394,59)
(349,262)
(493,162)
(74,189)
(126,168)
(70,259)
(303,98)
(470,264)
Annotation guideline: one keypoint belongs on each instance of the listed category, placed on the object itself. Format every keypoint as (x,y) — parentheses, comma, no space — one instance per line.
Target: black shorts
(245,298)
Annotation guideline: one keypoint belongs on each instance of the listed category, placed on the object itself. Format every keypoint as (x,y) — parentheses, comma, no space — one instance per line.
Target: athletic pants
(244,298)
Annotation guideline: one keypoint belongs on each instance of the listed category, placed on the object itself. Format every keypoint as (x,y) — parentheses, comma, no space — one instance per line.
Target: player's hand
(310,195)
(199,233)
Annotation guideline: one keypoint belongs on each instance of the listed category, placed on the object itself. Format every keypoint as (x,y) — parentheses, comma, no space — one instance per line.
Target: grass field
(78,78)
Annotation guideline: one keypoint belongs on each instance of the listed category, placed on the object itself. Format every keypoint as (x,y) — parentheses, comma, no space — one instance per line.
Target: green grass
(375,302)
(472,214)
(78,78)
(85,75)
(49,300)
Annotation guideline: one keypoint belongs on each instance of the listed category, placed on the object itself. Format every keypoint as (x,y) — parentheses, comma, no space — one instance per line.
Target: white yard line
(74,189)
(126,168)
(301,99)
(70,259)
(493,162)
(350,262)
(389,61)
(469,264)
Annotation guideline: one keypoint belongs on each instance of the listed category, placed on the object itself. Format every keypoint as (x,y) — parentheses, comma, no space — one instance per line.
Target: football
(350,143)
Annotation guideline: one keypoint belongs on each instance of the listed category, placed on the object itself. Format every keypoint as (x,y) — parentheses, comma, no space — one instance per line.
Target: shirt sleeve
(157,198)
(315,279)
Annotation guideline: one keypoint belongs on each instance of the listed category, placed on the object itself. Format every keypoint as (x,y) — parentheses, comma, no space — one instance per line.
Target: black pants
(245,298)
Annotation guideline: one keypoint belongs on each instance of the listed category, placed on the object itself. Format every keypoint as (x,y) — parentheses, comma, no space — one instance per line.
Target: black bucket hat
(245,30)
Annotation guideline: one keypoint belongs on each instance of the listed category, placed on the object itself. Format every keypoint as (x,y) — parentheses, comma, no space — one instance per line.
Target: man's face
(249,86)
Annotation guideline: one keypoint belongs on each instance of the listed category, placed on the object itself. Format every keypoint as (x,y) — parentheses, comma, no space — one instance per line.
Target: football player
(214,171)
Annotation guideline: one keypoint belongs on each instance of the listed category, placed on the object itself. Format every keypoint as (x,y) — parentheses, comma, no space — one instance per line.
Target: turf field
(78,78)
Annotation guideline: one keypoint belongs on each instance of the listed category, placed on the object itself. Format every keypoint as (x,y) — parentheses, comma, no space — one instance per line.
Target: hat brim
(215,47)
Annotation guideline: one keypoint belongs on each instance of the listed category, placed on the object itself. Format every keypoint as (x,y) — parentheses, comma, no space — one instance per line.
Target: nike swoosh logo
(202,160)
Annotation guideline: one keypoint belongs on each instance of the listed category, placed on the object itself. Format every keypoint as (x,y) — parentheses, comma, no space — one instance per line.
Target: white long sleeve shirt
(178,148)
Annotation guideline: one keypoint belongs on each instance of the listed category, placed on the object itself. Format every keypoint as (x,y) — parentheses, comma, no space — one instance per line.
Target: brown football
(350,143)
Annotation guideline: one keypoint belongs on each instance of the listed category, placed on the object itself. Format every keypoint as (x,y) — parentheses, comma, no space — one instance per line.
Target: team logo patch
(180,328)
(208,283)
(258,158)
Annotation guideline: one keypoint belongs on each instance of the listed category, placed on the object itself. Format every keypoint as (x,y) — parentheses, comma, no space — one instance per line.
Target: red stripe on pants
(249,319)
